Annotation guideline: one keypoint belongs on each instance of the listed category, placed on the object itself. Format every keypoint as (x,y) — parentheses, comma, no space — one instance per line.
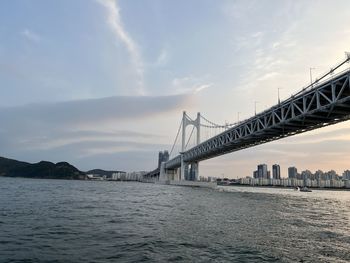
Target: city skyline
(263,171)
(103,83)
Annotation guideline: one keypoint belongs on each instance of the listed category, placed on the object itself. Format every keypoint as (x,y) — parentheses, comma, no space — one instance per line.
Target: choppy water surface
(81,221)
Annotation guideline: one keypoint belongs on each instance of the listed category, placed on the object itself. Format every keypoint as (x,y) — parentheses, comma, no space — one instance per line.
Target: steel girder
(154,173)
(325,104)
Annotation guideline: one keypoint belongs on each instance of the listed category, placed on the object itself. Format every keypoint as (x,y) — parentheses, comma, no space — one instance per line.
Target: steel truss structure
(323,104)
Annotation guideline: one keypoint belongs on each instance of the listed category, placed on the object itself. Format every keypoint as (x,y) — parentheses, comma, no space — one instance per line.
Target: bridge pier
(189,171)
(162,172)
(183,169)
(194,172)
(166,174)
(177,174)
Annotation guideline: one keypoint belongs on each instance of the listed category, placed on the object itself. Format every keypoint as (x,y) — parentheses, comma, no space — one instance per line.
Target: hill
(43,169)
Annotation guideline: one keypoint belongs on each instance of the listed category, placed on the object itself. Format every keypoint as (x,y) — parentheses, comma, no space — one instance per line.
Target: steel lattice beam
(325,104)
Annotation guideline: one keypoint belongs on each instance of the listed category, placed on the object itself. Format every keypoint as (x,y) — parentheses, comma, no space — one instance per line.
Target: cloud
(201,87)
(257,34)
(30,35)
(64,137)
(332,133)
(96,147)
(180,81)
(75,130)
(267,76)
(238,9)
(287,48)
(189,84)
(115,22)
(95,110)
(276,44)
(162,58)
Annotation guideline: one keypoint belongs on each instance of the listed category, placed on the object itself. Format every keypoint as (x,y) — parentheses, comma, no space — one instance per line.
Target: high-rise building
(292,172)
(319,175)
(346,175)
(163,157)
(276,171)
(331,175)
(262,171)
(307,174)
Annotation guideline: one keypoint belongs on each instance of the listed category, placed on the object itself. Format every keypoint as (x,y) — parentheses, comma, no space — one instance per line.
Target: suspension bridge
(324,102)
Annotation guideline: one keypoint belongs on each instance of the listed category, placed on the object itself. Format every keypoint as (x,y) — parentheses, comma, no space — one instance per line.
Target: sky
(103,83)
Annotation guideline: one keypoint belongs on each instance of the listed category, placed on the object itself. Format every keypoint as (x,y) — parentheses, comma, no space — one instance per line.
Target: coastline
(283,187)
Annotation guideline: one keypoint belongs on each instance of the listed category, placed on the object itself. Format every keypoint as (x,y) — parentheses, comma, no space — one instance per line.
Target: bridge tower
(189,171)
(187,121)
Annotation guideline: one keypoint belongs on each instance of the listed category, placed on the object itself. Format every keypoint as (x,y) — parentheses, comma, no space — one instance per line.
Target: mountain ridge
(42,169)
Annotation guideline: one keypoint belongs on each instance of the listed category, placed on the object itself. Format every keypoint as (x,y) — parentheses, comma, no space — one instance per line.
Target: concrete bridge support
(183,170)
(167,174)
(189,171)
(162,173)
(177,176)
(194,172)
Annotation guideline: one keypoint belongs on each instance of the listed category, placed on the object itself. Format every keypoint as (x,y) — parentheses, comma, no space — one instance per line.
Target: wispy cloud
(201,88)
(276,44)
(30,35)
(257,34)
(190,84)
(115,22)
(162,58)
(267,76)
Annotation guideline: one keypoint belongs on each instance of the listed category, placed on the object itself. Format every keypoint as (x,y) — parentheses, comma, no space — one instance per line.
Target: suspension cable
(189,137)
(177,135)
(214,125)
(210,122)
(188,117)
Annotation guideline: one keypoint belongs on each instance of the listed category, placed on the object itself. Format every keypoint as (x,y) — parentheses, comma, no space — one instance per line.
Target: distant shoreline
(48,178)
(286,187)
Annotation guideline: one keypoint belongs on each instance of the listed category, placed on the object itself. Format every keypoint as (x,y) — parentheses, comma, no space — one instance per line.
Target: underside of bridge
(325,104)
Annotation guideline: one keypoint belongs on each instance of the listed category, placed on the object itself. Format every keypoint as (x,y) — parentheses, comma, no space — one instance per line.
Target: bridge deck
(325,104)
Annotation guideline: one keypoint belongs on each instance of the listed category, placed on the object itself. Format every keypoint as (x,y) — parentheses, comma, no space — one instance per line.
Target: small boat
(297,188)
(305,189)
